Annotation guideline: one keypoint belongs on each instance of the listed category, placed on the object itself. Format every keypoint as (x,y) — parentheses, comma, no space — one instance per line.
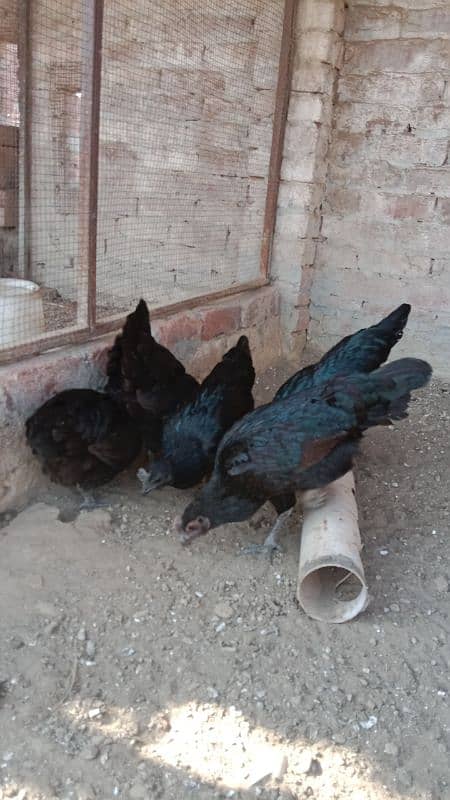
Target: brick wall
(317,58)
(385,234)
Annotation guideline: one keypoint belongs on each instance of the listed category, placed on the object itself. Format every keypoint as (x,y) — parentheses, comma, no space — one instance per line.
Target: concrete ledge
(198,337)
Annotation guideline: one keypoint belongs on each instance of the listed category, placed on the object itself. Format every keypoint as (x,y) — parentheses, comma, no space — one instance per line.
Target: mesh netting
(188,93)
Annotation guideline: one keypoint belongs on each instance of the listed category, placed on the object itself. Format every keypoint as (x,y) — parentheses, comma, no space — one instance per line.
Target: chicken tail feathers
(240,353)
(236,367)
(393,325)
(138,321)
(396,382)
(367,349)
(382,337)
(133,345)
(242,346)
(405,373)
(362,351)
(137,331)
(382,396)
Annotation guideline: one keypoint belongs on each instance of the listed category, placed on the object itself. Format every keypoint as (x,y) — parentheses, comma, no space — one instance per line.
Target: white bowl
(21,312)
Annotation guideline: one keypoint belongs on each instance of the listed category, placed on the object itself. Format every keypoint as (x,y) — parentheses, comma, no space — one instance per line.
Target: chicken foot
(312,498)
(89,501)
(271,543)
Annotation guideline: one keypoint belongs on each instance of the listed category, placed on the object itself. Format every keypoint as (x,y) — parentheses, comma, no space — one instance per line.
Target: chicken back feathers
(82,437)
(191,436)
(362,351)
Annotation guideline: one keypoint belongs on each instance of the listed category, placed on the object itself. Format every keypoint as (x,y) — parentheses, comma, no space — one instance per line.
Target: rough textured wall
(188,94)
(317,57)
(385,232)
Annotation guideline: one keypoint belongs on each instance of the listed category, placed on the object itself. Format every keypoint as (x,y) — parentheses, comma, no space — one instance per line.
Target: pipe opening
(331,593)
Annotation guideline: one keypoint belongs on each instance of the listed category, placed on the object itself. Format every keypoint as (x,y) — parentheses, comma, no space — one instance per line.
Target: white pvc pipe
(329,554)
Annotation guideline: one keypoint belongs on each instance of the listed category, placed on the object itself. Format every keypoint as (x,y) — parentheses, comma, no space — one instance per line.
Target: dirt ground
(132,667)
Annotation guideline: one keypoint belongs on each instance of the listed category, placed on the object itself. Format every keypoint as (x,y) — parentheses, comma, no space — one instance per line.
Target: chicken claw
(263,549)
(89,502)
(270,544)
(143,476)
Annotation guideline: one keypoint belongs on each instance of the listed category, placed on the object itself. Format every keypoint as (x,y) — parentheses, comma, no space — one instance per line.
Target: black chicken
(146,378)
(303,442)
(84,438)
(191,436)
(362,351)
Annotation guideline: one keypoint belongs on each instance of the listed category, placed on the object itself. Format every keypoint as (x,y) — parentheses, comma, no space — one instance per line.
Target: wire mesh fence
(136,144)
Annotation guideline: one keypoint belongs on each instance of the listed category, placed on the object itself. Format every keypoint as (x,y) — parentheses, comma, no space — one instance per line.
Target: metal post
(279,125)
(89,158)
(25,115)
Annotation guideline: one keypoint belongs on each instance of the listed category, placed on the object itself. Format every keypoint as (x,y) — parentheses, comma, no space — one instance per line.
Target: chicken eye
(201,520)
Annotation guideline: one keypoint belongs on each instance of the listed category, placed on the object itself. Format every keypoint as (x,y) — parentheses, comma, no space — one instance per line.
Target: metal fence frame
(87,327)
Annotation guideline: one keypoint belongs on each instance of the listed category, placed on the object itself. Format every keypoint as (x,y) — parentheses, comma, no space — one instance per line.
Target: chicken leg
(284,505)
(89,501)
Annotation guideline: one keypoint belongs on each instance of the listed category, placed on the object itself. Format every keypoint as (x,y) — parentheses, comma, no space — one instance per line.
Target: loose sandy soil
(134,668)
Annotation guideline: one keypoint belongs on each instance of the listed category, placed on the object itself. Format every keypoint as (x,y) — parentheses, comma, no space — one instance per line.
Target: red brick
(372,22)
(443,208)
(391,88)
(220,320)
(396,56)
(425,21)
(302,319)
(180,81)
(178,328)
(220,159)
(260,306)
(409,207)
(100,359)
(343,201)
(307,280)
(215,108)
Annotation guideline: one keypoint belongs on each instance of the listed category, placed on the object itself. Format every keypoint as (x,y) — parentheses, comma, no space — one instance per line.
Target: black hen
(84,438)
(191,437)
(362,351)
(301,443)
(146,377)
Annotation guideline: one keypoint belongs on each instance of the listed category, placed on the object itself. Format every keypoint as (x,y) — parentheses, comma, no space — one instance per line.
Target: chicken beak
(192,531)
